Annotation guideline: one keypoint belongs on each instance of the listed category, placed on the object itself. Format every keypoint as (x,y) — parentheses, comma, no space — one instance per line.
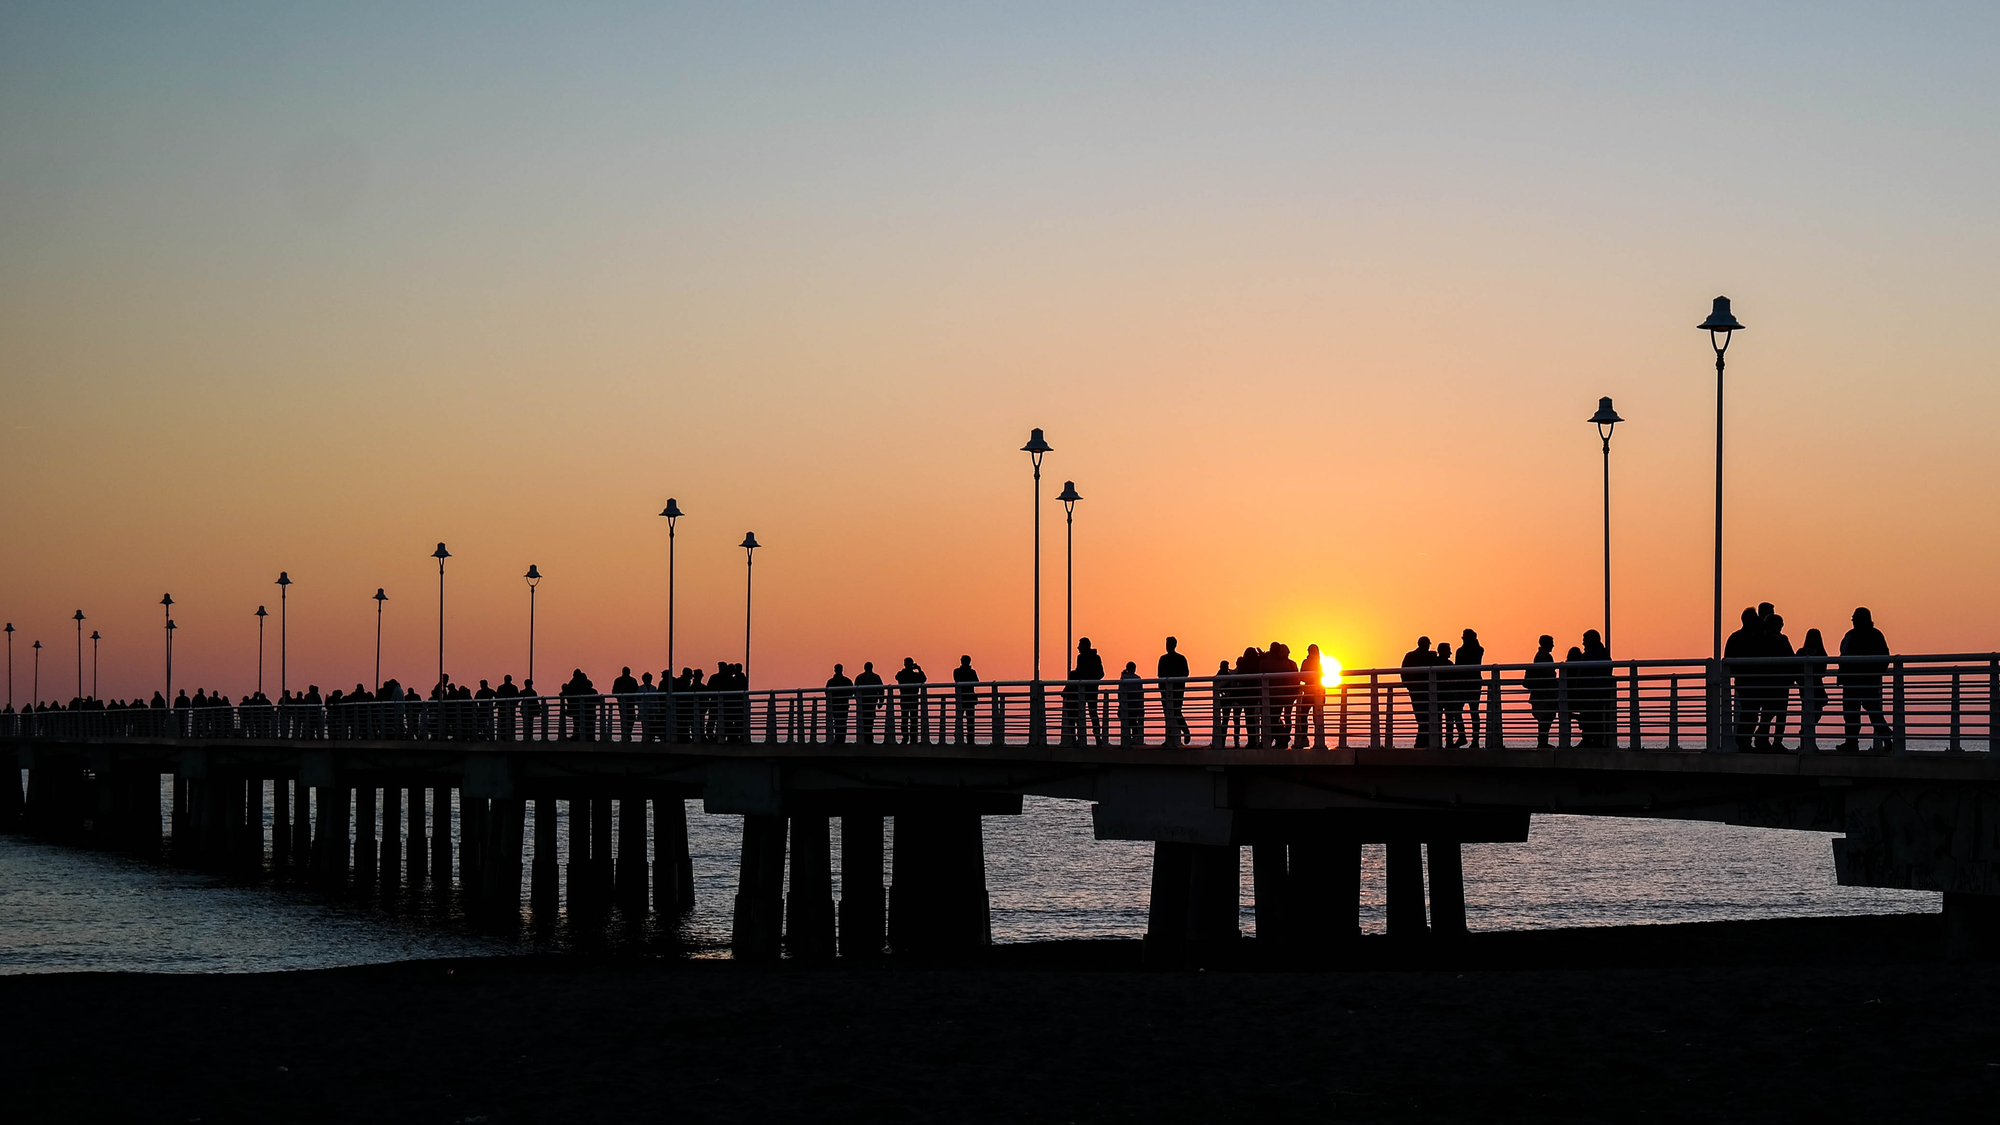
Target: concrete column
(760,890)
(1270,884)
(1167,909)
(183,828)
(364,837)
(632,871)
(1447,889)
(937,892)
(601,869)
(332,838)
(417,856)
(472,840)
(545,878)
(11,802)
(580,893)
(302,825)
(1326,896)
(252,850)
(391,852)
(863,907)
(809,918)
(673,868)
(503,821)
(1405,905)
(441,838)
(281,824)
(1217,898)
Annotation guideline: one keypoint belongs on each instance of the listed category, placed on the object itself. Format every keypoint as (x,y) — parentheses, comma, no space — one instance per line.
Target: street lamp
(284,628)
(38,673)
(1719,326)
(380,597)
(1069,498)
(533,576)
(79,653)
(10,665)
(673,513)
(261,614)
(1035,449)
(167,600)
(440,555)
(93,663)
(749,546)
(1606,420)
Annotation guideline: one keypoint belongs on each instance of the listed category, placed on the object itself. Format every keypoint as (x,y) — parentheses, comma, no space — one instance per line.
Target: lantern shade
(79,615)
(285,579)
(1605,416)
(260,612)
(440,554)
(1069,493)
(1720,319)
(1036,443)
(750,541)
(673,509)
(533,575)
(380,596)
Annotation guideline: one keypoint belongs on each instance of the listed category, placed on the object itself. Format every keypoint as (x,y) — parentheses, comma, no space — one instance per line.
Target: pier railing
(1900,704)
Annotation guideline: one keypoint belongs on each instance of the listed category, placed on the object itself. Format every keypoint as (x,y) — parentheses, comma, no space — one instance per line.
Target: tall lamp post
(1069,498)
(1606,420)
(380,597)
(38,673)
(749,546)
(79,653)
(1036,448)
(673,514)
(10,665)
(440,555)
(167,600)
(534,577)
(93,663)
(284,630)
(260,615)
(1720,325)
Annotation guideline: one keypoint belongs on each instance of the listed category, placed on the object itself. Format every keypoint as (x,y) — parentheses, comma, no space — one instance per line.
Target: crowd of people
(1265,700)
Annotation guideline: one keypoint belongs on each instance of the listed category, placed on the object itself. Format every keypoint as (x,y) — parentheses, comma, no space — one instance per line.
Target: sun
(1329,671)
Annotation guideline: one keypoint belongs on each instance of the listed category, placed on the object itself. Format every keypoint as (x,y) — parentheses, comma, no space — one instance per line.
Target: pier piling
(756,934)
(809,917)
(863,907)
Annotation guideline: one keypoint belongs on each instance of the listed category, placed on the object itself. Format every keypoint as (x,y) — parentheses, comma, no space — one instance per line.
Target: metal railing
(1899,704)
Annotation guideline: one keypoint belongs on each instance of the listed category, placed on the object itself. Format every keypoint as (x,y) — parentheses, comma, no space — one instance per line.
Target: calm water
(63,909)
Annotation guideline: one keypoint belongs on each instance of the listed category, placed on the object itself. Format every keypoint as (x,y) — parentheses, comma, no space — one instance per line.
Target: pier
(472,796)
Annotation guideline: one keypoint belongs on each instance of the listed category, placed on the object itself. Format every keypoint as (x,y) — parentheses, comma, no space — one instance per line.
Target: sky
(1312,301)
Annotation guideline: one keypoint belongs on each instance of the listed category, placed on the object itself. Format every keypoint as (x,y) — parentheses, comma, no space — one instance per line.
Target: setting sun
(1329,671)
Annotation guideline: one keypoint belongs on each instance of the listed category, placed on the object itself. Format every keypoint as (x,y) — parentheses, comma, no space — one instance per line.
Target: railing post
(1632,690)
(1954,747)
(1038,706)
(1434,710)
(1674,711)
(1375,714)
(1809,712)
(1496,735)
(1266,718)
(1899,737)
(1992,694)
(1343,714)
(1218,717)
(1562,708)
(1721,717)
(999,718)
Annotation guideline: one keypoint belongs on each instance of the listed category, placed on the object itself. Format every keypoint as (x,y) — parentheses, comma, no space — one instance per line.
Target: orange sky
(1314,328)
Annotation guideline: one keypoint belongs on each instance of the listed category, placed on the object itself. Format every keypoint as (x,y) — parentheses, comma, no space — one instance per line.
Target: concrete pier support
(1404,906)
(504,822)
(863,906)
(545,877)
(417,854)
(760,891)
(302,825)
(673,867)
(1447,889)
(441,839)
(1325,884)
(364,837)
(251,852)
(632,867)
(390,853)
(1270,887)
(937,893)
(330,840)
(11,801)
(472,842)
(809,918)
(580,898)
(281,825)
(181,838)
(602,870)
(1196,898)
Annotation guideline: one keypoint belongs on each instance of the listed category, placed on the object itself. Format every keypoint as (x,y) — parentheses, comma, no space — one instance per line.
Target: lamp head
(38,644)
(1069,493)
(1720,319)
(1036,445)
(440,554)
(10,630)
(533,576)
(261,612)
(673,509)
(1606,419)
(94,636)
(166,599)
(750,541)
(170,625)
(79,615)
(380,596)
(285,579)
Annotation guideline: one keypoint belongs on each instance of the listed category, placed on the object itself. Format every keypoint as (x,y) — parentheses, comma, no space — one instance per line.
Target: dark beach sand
(1820,1020)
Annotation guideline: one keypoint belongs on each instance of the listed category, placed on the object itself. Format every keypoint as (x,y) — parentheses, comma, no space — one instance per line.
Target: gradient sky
(1312,301)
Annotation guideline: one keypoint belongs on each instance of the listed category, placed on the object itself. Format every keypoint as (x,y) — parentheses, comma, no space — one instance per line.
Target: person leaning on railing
(1861,681)
(1173,673)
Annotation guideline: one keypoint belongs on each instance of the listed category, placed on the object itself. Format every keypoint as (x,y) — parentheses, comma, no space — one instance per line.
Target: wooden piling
(809,917)
(331,838)
(760,892)
(182,839)
(863,906)
(545,876)
(11,801)
(1404,908)
(502,824)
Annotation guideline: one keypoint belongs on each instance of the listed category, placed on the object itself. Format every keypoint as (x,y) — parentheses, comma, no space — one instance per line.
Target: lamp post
(1036,448)
(93,663)
(673,513)
(79,653)
(1720,325)
(167,600)
(749,546)
(1069,498)
(1606,420)
(284,629)
(10,665)
(38,673)
(534,577)
(440,555)
(261,614)
(380,597)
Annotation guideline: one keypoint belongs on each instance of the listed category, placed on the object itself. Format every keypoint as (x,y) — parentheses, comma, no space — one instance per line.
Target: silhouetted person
(1863,658)
(1746,641)
(1451,708)
(911,679)
(1417,682)
(1312,682)
(484,696)
(1079,690)
(1774,692)
(964,676)
(1131,706)
(1471,654)
(1812,687)
(1281,687)
(1575,689)
(1600,693)
(626,689)
(1173,672)
(1091,664)
(1542,690)
(687,705)
(867,697)
(1225,694)
(839,693)
(1246,697)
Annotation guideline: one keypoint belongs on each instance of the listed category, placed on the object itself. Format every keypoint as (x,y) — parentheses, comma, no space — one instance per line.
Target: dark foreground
(1850,1019)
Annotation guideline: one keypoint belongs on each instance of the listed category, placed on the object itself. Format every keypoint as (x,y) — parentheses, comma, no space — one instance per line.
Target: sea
(65,909)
